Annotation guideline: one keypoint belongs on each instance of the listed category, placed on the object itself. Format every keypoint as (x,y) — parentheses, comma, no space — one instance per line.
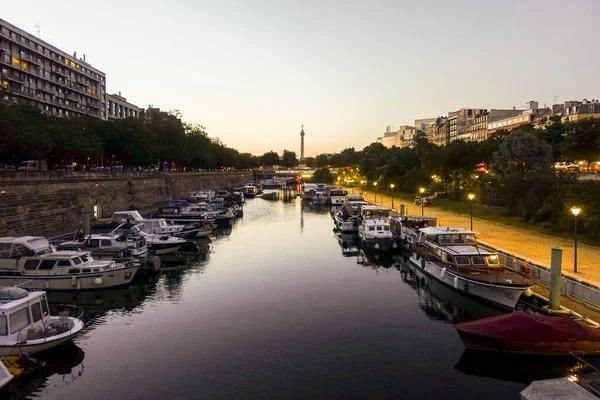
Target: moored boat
(451,255)
(26,325)
(337,197)
(348,218)
(531,333)
(320,197)
(406,228)
(374,229)
(34,263)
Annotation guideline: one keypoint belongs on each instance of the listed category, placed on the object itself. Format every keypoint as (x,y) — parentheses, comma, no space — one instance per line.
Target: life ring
(207,226)
(236,207)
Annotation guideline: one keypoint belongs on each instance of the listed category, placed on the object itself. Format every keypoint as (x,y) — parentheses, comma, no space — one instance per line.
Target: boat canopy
(521,326)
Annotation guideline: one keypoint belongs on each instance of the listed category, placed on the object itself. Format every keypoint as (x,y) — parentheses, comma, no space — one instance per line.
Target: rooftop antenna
(37,28)
(555,99)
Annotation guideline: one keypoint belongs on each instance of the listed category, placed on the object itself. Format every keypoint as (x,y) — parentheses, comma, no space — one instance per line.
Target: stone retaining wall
(46,207)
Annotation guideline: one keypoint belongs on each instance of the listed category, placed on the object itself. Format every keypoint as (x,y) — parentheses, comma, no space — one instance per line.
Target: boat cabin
(23,314)
(374,212)
(17,247)
(447,236)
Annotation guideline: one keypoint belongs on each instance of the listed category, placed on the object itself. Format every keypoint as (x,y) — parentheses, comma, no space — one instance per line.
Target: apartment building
(578,110)
(36,72)
(117,107)
(438,131)
(459,122)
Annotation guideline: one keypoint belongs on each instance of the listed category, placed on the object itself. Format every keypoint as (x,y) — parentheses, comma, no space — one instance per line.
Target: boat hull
(40,345)
(379,244)
(161,249)
(84,281)
(551,348)
(501,295)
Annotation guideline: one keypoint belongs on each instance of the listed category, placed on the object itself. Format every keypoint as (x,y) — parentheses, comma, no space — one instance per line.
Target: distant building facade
(579,110)
(423,123)
(36,72)
(460,121)
(117,107)
(402,137)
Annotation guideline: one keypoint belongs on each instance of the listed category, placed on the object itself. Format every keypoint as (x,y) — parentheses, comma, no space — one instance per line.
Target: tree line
(515,170)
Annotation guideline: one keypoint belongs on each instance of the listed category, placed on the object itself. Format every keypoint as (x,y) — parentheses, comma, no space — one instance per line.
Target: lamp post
(575,211)
(375,184)
(422,190)
(392,186)
(471,197)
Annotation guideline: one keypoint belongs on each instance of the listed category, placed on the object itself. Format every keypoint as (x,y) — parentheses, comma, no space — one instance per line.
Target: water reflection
(52,369)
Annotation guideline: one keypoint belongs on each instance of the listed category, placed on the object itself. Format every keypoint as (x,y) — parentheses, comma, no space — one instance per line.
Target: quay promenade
(519,242)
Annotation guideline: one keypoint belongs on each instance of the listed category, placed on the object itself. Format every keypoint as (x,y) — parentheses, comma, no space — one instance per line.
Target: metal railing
(570,287)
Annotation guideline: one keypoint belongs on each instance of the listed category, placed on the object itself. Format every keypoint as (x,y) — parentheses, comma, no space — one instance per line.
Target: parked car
(33,165)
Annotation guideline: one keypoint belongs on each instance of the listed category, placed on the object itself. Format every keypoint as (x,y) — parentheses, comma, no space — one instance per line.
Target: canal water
(279,306)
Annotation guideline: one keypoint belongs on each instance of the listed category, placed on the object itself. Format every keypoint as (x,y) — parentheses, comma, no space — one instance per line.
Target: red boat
(525,333)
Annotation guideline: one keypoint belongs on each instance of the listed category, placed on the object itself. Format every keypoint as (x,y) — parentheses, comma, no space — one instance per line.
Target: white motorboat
(157,226)
(307,190)
(202,196)
(221,216)
(354,197)
(26,325)
(406,228)
(451,256)
(33,263)
(116,241)
(337,197)
(249,191)
(374,229)
(348,218)
(163,244)
(320,197)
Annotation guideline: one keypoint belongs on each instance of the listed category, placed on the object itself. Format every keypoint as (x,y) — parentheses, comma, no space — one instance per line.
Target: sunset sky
(252,72)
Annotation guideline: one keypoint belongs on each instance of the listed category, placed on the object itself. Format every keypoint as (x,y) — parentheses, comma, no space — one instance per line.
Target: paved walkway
(525,244)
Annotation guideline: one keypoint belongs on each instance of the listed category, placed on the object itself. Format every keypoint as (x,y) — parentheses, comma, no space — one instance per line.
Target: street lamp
(392,186)
(422,190)
(375,184)
(362,186)
(471,197)
(575,211)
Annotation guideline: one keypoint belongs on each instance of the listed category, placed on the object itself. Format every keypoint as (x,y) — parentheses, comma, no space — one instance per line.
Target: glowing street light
(471,197)
(422,190)
(575,211)
(392,186)
(375,184)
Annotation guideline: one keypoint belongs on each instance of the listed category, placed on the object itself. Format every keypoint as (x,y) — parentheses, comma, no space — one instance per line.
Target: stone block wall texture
(47,206)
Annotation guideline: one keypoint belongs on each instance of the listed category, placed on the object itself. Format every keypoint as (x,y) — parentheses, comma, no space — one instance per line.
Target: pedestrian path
(528,245)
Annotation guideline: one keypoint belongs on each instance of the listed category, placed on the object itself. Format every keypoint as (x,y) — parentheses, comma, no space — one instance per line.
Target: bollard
(555,278)
(86,222)
(401,210)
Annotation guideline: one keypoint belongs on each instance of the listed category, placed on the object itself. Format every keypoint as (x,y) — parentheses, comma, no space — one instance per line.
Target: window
(45,307)
(3,326)
(478,260)
(74,271)
(47,264)
(19,320)
(31,264)
(106,243)
(77,261)
(36,312)
(462,260)
(64,263)
(371,228)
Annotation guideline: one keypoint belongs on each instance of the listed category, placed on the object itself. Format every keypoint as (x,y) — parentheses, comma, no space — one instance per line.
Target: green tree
(522,160)
(582,141)
(322,160)
(270,158)
(289,159)
(322,175)
(310,162)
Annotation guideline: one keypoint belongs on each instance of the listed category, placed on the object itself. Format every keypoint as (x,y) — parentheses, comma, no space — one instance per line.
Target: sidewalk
(519,242)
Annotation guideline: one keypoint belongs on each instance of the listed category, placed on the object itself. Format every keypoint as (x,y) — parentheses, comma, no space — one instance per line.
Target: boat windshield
(162,223)
(461,260)
(457,239)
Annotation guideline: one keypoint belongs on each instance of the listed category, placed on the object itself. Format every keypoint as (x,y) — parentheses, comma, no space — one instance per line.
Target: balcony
(14,77)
